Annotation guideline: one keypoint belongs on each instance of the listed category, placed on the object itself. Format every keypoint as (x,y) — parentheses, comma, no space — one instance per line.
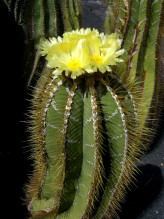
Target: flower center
(97,59)
(73,64)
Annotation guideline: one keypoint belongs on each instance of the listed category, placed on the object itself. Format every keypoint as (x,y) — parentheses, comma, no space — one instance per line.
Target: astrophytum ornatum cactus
(95,105)
(86,128)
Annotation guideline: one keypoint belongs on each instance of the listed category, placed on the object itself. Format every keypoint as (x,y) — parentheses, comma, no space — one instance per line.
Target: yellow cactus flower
(45,45)
(82,51)
(80,34)
(107,54)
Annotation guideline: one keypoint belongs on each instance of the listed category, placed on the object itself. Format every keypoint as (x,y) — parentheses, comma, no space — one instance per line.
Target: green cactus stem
(140,24)
(74,116)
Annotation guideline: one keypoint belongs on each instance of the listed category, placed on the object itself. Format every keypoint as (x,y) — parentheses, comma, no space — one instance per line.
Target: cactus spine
(75,116)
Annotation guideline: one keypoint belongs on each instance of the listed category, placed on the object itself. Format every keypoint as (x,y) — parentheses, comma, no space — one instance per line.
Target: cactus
(89,131)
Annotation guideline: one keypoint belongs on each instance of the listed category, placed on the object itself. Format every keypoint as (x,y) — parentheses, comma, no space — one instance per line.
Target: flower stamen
(73,64)
(97,59)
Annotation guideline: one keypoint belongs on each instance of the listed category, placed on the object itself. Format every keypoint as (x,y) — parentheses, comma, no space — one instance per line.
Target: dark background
(146,201)
(14,156)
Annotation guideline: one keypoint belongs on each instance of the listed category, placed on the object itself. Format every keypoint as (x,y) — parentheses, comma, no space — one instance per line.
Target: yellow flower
(91,37)
(45,45)
(82,51)
(106,55)
(76,35)
(69,57)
